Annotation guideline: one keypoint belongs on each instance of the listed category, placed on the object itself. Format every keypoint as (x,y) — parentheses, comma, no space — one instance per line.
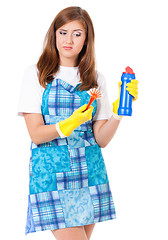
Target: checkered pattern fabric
(89,139)
(47,211)
(103,202)
(78,176)
(61,100)
(68,179)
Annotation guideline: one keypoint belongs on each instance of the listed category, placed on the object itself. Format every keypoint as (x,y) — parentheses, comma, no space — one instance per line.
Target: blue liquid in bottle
(125,104)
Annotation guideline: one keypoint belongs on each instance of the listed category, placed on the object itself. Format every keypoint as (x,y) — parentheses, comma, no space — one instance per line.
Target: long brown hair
(48,63)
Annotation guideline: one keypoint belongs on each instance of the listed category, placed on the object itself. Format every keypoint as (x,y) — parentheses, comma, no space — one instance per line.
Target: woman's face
(70,39)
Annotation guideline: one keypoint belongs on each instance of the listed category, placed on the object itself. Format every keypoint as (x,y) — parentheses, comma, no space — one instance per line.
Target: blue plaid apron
(68,182)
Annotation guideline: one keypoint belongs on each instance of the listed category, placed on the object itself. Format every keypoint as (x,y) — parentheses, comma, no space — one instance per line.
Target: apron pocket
(50,159)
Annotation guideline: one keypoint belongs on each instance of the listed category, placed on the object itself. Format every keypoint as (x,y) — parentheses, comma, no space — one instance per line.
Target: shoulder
(31,76)
(101,81)
(100,78)
(32,70)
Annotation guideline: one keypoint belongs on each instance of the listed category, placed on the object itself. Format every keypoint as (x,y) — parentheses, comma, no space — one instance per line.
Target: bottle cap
(129,70)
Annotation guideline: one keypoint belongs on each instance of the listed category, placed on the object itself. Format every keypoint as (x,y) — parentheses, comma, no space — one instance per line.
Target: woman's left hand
(132,88)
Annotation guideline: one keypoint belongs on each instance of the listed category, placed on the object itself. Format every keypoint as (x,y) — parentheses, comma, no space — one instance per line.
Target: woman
(69,186)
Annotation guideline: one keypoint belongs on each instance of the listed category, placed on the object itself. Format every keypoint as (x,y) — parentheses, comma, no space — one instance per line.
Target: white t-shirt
(31,91)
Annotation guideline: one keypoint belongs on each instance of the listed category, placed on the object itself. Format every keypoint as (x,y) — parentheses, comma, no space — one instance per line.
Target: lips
(67,48)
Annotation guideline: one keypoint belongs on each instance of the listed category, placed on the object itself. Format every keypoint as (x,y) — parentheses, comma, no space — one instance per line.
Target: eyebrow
(73,30)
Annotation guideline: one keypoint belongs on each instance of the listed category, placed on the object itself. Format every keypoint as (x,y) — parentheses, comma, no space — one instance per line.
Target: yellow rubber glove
(132,88)
(67,126)
(116,104)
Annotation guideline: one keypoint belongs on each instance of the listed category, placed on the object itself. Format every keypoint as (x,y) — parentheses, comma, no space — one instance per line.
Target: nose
(69,38)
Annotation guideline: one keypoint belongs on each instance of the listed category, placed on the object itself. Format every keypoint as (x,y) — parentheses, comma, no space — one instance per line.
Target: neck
(68,62)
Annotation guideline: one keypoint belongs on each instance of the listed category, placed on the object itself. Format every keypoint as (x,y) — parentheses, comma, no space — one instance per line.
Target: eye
(62,32)
(77,34)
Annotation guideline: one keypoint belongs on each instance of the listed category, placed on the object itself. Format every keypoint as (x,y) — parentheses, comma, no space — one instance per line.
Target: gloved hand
(132,88)
(67,126)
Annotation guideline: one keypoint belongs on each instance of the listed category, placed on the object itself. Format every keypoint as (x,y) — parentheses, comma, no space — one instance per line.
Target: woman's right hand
(79,116)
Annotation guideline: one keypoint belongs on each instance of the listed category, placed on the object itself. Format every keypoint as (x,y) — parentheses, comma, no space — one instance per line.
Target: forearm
(107,131)
(45,133)
(41,133)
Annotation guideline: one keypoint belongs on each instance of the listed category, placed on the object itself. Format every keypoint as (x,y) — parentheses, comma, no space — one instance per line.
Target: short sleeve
(30,98)
(104,108)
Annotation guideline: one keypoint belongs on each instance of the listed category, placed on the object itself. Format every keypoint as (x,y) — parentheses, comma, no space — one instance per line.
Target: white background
(128,33)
